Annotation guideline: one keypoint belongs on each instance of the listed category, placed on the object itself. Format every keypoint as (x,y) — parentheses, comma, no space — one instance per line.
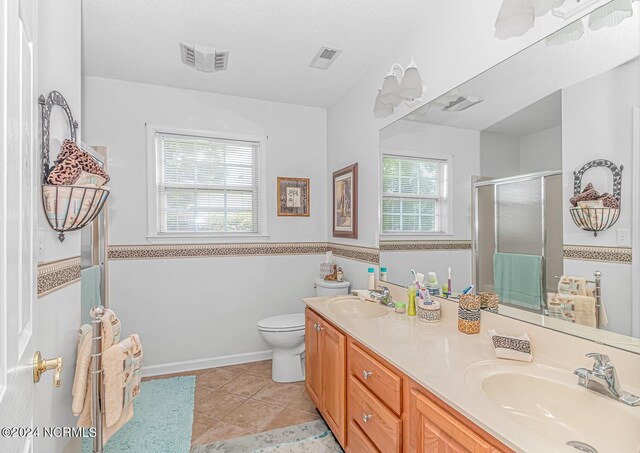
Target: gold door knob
(41,365)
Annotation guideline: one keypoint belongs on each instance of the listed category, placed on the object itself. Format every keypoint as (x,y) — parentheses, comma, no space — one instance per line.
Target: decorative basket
(594,219)
(489,301)
(69,208)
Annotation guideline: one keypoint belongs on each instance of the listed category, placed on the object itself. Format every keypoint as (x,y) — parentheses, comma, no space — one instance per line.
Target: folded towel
(110,335)
(575,286)
(121,384)
(121,363)
(511,348)
(577,309)
(518,279)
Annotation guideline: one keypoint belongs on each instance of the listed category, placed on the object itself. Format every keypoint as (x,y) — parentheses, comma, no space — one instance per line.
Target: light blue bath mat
(310,437)
(162,419)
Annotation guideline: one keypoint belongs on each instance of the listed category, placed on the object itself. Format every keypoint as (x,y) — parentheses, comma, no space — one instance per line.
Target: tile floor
(238,400)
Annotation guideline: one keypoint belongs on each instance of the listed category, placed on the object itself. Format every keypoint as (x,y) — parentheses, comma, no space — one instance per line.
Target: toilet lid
(292,321)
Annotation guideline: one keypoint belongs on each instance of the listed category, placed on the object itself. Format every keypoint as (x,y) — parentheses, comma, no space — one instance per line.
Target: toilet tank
(329,288)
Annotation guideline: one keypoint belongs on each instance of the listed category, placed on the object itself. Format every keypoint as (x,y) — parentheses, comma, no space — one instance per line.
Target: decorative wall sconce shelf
(67,207)
(597,218)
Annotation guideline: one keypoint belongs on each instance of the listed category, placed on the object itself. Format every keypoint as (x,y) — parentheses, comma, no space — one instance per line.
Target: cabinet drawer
(376,377)
(380,425)
(358,441)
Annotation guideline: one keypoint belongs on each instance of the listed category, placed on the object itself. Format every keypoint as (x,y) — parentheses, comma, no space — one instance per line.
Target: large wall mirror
(483,181)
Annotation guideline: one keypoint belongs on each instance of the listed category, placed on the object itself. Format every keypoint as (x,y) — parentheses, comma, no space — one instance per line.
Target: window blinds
(207,185)
(414,195)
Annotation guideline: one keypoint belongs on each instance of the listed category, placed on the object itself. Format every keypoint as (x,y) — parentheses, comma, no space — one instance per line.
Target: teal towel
(90,289)
(518,279)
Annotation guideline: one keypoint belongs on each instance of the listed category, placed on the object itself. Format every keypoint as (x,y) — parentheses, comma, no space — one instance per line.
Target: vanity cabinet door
(313,365)
(434,430)
(333,353)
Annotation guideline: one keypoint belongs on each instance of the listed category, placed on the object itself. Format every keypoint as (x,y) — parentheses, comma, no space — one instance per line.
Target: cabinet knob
(366,417)
(315,325)
(367,374)
(319,328)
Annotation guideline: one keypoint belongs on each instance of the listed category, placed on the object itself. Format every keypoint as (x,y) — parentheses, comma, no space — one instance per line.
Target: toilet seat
(282,323)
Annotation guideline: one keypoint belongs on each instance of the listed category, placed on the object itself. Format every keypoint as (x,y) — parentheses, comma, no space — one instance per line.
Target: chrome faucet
(383,296)
(604,380)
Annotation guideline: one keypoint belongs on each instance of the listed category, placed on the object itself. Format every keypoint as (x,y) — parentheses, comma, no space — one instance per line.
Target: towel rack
(597,275)
(96,382)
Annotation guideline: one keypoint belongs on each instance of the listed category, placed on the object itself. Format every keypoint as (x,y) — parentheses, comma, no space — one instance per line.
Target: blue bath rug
(162,419)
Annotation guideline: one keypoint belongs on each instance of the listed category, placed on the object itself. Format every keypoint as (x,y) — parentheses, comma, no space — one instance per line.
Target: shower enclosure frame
(495,182)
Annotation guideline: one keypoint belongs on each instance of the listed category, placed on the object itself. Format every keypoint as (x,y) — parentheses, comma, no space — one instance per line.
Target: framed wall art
(345,202)
(293,197)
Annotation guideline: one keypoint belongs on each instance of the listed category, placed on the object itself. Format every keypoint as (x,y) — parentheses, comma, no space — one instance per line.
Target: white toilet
(285,335)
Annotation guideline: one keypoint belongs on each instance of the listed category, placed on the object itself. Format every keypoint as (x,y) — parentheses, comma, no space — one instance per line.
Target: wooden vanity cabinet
(325,369)
(435,430)
(371,406)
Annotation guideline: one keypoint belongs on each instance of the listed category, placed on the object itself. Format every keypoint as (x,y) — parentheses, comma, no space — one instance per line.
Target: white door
(18,184)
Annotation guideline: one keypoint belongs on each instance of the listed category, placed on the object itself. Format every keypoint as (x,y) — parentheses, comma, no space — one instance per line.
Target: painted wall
(597,123)
(57,315)
(505,155)
(197,310)
(541,151)
(499,155)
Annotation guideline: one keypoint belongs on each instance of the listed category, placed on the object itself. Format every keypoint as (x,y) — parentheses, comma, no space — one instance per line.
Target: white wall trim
(635,225)
(201,364)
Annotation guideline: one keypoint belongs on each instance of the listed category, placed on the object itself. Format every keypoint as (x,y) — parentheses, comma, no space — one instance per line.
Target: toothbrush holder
(469,314)
(490,301)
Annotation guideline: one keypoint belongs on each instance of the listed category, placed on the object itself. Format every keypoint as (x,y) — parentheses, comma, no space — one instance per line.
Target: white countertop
(437,356)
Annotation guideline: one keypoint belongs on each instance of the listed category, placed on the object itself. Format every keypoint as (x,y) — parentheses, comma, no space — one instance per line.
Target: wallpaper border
(55,275)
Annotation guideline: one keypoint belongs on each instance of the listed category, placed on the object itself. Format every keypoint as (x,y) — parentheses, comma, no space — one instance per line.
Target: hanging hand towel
(518,279)
(574,286)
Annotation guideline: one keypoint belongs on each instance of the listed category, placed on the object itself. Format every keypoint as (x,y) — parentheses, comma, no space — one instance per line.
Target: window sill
(414,237)
(206,239)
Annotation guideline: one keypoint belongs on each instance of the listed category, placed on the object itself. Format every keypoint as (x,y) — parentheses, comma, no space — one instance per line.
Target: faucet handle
(601,360)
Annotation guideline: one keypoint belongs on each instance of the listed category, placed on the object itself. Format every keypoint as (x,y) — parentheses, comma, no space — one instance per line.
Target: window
(205,185)
(414,195)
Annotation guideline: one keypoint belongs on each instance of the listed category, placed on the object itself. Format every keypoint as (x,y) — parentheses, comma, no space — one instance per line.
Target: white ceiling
(541,115)
(271,43)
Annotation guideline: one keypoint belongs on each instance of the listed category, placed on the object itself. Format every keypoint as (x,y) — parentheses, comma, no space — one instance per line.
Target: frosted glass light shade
(515,18)
(610,14)
(571,32)
(411,85)
(390,92)
(380,109)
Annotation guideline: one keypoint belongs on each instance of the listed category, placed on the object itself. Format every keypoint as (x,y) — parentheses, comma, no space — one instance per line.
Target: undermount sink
(353,307)
(549,402)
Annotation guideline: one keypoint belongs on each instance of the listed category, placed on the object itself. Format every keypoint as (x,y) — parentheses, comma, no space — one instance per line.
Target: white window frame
(404,235)
(154,236)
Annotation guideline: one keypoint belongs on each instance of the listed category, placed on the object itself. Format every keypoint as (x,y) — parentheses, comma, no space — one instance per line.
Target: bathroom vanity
(370,405)
(387,382)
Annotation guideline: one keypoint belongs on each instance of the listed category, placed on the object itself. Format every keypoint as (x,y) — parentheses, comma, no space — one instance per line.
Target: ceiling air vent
(325,58)
(205,59)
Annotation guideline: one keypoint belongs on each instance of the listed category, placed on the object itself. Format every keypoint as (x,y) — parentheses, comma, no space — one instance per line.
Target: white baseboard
(201,364)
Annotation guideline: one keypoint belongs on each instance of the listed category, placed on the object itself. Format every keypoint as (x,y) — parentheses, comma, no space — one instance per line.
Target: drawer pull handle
(366,418)
(367,374)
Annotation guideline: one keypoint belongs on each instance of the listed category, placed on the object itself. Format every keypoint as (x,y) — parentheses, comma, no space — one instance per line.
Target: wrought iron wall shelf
(66,207)
(597,219)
